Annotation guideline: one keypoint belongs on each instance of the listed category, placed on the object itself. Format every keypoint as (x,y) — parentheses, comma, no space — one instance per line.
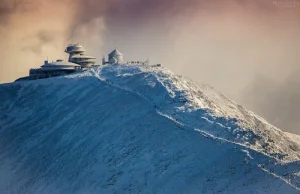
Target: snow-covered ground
(137,129)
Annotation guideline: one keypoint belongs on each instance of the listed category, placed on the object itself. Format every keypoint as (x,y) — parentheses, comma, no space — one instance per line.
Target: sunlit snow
(137,129)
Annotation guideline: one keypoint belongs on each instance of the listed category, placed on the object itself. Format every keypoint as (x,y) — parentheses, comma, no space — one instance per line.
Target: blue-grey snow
(137,129)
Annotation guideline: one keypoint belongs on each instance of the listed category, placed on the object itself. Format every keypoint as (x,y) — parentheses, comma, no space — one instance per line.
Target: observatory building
(115,57)
(77,55)
(78,61)
(59,65)
(53,69)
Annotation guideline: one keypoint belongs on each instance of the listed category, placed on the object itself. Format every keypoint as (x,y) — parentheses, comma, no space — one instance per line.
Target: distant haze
(249,49)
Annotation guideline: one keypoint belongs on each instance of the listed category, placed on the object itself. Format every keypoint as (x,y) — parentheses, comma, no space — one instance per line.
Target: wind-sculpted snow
(137,129)
(189,103)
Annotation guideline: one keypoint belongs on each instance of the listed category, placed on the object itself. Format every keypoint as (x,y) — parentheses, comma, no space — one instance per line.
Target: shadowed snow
(136,129)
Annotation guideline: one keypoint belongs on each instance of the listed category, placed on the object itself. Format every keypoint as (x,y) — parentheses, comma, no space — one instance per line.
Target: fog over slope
(131,129)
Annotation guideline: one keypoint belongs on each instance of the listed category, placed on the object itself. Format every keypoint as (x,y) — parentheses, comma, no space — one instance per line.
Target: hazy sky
(248,49)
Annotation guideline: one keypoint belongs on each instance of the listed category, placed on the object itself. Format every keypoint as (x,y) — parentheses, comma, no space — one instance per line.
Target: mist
(249,50)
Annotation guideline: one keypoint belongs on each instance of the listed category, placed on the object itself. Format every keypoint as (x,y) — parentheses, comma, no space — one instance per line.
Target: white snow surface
(137,129)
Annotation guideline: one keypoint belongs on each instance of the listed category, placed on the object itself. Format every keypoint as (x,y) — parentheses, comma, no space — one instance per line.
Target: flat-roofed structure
(59,65)
(84,61)
(77,61)
(52,69)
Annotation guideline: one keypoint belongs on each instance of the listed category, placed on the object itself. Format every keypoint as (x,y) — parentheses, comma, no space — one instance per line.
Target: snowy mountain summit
(137,129)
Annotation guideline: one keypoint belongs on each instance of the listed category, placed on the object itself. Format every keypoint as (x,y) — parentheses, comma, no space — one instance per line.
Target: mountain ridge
(164,133)
(210,99)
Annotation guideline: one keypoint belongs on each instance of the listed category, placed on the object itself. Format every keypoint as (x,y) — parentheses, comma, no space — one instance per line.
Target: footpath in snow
(137,129)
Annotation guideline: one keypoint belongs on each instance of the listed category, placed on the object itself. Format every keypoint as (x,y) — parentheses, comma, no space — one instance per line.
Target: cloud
(90,35)
(30,31)
(39,40)
(277,100)
(226,44)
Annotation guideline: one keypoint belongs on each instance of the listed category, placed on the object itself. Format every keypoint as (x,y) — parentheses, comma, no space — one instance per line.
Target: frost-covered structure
(114,57)
(78,61)
(137,129)
(77,55)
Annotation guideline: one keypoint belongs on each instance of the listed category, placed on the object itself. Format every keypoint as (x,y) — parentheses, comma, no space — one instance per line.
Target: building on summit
(78,61)
(115,57)
(77,55)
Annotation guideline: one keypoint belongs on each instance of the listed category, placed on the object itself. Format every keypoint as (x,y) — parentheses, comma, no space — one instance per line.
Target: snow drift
(137,129)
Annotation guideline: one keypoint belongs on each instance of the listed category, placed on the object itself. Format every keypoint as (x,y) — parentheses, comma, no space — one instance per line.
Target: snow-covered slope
(137,129)
(293,137)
